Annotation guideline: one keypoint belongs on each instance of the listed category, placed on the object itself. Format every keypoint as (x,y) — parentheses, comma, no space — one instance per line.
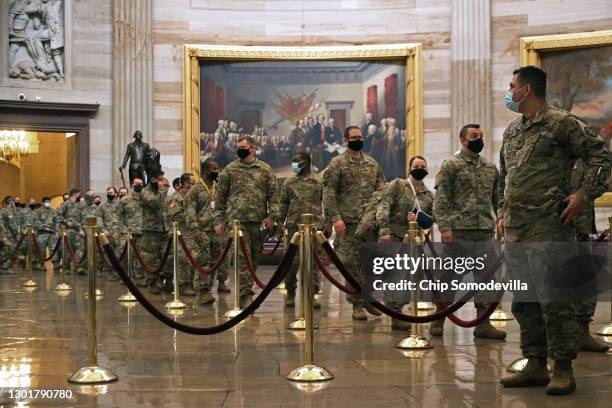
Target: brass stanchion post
(285,238)
(415,341)
(128,297)
(607,329)
(92,246)
(62,285)
(92,373)
(29,283)
(176,302)
(300,323)
(236,310)
(309,372)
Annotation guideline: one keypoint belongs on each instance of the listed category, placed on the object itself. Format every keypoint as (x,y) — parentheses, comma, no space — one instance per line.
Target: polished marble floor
(43,339)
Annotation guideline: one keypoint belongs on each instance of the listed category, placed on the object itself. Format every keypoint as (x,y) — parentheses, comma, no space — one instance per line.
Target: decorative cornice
(562,41)
(49,106)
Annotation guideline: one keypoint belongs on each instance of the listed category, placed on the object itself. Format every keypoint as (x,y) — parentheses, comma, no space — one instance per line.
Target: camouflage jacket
(129,213)
(348,185)
(45,220)
(108,216)
(200,202)
(536,161)
(395,204)
(247,192)
(466,193)
(176,211)
(585,221)
(69,215)
(153,209)
(85,211)
(26,217)
(301,195)
(10,220)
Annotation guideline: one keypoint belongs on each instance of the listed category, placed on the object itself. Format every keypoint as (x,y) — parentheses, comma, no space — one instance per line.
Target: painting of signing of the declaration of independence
(292,106)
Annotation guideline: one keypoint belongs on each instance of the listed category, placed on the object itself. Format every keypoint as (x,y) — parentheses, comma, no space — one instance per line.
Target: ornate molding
(562,41)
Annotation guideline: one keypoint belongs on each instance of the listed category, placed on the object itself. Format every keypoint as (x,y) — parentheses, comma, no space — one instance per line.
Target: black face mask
(32,206)
(355,145)
(214,175)
(97,203)
(418,174)
(476,145)
(138,188)
(110,197)
(243,153)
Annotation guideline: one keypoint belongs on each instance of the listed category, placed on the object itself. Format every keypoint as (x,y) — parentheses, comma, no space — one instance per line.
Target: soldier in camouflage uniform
(129,214)
(465,208)
(301,194)
(20,213)
(155,232)
(348,184)
(11,230)
(177,212)
(45,223)
(398,206)
(247,192)
(585,226)
(537,205)
(5,254)
(87,208)
(108,221)
(69,216)
(200,214)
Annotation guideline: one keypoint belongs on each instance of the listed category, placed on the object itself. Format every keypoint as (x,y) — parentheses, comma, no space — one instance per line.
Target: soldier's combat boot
(187,290)
(588,342)
(221,288)
(562,381)
(436,328)
(245,301)
(290,300)
(206,298)
(358,312)
(535,374)
(397,324)
(371,309)
(485,330)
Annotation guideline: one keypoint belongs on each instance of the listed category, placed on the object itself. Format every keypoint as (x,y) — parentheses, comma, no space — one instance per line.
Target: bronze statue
(138,153)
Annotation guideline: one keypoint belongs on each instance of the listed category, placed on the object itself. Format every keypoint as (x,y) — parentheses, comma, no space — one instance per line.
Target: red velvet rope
(248,263)
(39,253)
(18,244)
(394,313)
(106,262)
(72,254)
(273,250)
(277,277)
(142,262)
(330,278)
(196,265)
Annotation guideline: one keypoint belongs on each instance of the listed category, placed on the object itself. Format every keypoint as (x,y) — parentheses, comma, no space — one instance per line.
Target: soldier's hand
(269,223)
(411,216)
(219,230)
(385,238)
(574,206)
(447,236)
(339,227)
(197,236)
(82,233)
(500,229)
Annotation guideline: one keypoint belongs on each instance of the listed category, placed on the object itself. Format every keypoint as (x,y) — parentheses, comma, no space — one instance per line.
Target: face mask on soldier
(243,153)
(46,204)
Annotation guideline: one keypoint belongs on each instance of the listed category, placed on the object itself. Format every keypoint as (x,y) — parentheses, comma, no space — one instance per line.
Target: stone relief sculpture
(36,39)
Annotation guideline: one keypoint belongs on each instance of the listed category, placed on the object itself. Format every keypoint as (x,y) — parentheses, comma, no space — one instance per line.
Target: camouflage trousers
(586,308)
(254,242)
(209,251)
(7,255)
(548,328)
(77,243)
(137,272)
(183,266)
(47,240)
(291,278)
(347,247)
(152,247)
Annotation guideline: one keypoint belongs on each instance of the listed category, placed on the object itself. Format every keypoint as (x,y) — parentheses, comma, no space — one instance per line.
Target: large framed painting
(292,99)
(579,68)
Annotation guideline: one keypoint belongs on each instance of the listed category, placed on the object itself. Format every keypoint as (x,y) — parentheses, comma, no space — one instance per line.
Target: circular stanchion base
(500,315)
(425,306)
(131,305)
(281,286)
(310,373)
(230,314)
(29,284)
(414,342)
(299,324)
(92,374)
(128,297)
(62,287)
(605,330)
(517,365)
(176,304)
(99,293)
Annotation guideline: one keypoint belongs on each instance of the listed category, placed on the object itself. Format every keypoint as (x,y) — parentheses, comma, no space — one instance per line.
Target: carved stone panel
(36,39)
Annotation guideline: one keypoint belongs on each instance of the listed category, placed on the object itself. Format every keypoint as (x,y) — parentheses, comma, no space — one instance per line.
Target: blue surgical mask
(295,167)
(510,103)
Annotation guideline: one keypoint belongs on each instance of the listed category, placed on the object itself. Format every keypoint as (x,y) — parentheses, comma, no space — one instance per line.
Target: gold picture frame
(531,49)
(194,53)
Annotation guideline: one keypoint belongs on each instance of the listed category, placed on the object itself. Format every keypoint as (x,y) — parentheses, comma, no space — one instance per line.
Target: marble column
(132,75)
(471,68)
